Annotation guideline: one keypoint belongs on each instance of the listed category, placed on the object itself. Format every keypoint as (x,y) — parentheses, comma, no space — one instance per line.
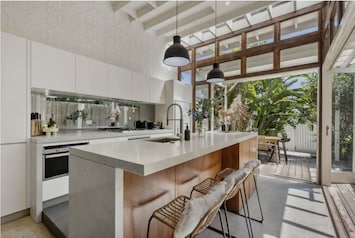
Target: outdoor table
(274,140)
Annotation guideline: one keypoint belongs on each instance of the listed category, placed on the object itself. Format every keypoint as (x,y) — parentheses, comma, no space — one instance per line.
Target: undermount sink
(164,139)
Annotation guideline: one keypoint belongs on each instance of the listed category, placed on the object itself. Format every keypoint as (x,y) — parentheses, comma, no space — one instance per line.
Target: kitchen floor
(25,228)
(291,209)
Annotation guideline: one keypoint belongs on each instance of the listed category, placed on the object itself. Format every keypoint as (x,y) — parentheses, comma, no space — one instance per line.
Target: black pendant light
(176,55)
(215,75)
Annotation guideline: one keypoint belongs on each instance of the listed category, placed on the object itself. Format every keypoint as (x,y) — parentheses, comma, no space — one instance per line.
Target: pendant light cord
(176,9)
(215,30)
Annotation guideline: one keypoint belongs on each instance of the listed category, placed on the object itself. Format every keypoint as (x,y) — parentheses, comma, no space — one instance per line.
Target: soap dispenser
(187,132)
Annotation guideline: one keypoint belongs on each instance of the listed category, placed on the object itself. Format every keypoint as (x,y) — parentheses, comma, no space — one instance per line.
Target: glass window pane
(342,122)
(299,55)
(230,68)
(261,36)
(186,77)
(260,63)
(230,45)
(201,73)
(299,26)
(201,92)
(205,52)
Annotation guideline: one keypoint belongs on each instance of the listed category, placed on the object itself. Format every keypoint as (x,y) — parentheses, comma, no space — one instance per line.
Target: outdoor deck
(300,166)
(341,203)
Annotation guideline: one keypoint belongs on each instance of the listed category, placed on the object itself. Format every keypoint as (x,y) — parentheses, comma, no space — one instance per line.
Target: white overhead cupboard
(52,68)
(91,76)
(13,123)
(118,82)
(63,71)
(140,87)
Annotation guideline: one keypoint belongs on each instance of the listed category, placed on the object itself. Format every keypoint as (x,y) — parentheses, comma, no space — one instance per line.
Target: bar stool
(188,217)
(253,165)
(236,179)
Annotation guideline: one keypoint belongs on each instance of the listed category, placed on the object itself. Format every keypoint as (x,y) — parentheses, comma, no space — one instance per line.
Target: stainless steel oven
(56,160)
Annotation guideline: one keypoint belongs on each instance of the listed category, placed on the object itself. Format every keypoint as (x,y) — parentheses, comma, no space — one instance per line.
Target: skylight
(256,16)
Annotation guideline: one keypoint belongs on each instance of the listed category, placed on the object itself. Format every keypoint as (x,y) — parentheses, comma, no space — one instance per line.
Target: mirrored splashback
(83,113)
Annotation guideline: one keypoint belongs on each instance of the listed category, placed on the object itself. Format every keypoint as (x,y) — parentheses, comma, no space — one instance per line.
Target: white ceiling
(196,19)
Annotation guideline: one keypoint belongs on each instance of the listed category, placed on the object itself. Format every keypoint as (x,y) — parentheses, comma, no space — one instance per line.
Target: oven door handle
(56,155)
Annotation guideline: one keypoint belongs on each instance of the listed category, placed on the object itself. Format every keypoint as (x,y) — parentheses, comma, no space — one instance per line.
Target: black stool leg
(244,208)
(247,213)
(150,219)
(257,195)
(225,216)
(283,144)
(220,219)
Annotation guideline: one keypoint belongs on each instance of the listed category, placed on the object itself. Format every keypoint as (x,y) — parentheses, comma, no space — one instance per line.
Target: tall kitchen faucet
(181,118)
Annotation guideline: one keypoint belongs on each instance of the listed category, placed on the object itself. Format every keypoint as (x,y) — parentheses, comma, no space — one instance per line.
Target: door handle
(326,130)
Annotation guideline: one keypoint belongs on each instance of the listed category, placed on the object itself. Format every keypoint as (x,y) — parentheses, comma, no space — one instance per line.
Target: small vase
(200,129)
(201,133)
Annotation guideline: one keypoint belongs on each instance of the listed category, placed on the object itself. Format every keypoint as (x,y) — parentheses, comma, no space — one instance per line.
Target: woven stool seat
(170,213)
(224,173)
(205,186)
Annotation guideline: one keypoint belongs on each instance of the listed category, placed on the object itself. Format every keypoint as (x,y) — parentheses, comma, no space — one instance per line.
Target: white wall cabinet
(157,91)
(52,68)
(118,82)
(13,89)
(13,178)
(91,76)
(175,92)
(140,87)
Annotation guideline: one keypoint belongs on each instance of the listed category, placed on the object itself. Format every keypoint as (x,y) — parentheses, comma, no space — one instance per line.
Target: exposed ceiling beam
(153,3)
(145,10)
(226,17)
(186,20)
(169,14)
(149,8)
(131,13)
(117,5)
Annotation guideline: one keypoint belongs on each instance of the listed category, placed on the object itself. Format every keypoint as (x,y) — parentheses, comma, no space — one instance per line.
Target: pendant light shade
(176,55)
(215,75)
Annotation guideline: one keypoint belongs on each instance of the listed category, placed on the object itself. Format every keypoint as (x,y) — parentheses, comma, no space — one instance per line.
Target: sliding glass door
(343,123)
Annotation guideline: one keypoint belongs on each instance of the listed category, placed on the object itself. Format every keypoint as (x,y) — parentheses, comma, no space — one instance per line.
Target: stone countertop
(144,157)
(85,135)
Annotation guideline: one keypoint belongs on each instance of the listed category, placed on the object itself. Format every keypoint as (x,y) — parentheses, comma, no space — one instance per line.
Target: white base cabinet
(13,178)
(55,188)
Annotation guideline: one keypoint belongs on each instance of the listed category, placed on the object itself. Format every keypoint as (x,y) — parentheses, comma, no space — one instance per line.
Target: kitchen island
(115,187)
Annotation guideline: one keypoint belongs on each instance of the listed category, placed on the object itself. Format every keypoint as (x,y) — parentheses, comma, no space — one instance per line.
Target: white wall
(88,28)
